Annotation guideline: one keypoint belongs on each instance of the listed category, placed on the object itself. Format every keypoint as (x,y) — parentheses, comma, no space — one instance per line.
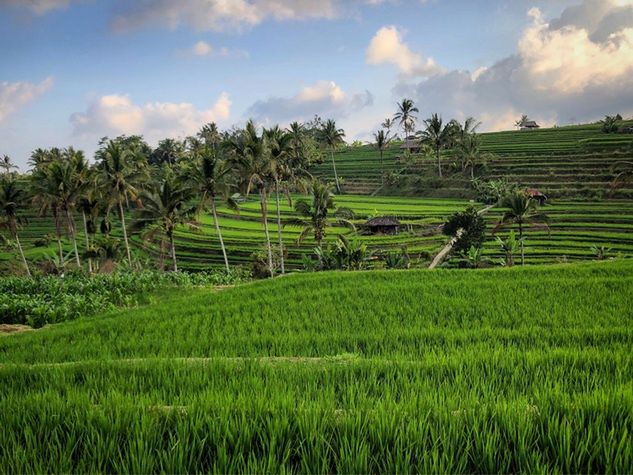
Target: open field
(385,371)
(568,161)
(575,227)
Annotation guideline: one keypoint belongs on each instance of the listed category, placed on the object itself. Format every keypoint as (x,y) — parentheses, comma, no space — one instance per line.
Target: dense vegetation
(49,299)
(390,371)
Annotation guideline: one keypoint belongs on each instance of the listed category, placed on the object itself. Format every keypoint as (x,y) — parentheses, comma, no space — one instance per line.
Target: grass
(385,371)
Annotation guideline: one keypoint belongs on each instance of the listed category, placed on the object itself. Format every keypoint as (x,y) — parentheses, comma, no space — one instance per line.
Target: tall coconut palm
(469,152)
(438,135)
(315,215)
(279,145)
(406,116)
(463,130)
(388,124)
(120,179)
(381,142)
(7,164)
(210,177)
(251,157)
(523,211)
(11,200)
(165,206)
(332,137)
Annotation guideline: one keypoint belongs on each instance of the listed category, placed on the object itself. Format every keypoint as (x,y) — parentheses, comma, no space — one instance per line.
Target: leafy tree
(165,206)
(439,136)
(12,199)
(120,178)
(493,191)
(315,216)
(406,116)
(523,211)
(251,157)
(381,142)
(332,137)
(509,247)
(469,152)
(600,252)
(469,227)
(210,177)
(611,123)
(168,152)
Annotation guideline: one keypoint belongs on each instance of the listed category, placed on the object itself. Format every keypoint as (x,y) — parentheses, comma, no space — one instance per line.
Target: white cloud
(39,7)
(230,15)
(325,98)
(387,47)
(204,49)
(577,67)
(116,114)
(17,94)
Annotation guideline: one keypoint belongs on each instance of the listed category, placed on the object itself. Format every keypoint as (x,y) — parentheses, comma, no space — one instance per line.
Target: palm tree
(523,211)
(315,215)
(210,178)
(406,116)
(381,142)
(332,137)
(119,178)
(387,124)
(11,200)
(250,155)
(469,127)
(164,208)
(438,135)
(7,164)
(522,121)
(470,153)
(279,145)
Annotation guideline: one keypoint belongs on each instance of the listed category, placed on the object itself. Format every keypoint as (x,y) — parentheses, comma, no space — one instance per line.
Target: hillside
(563,162)
(419,371)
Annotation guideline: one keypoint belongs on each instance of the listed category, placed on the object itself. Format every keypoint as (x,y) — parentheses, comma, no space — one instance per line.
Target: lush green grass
(571,161)
(575,227)
(507,370)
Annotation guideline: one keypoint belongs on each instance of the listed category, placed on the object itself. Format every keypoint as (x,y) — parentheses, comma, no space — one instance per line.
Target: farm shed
(530,125)
(383,225)
(412,144)
(536,195)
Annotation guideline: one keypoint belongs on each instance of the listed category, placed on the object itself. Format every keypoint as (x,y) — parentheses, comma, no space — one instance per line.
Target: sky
(73,71)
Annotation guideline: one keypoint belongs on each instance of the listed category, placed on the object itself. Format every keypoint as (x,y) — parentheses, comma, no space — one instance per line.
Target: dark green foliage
(51,299)
(473,226)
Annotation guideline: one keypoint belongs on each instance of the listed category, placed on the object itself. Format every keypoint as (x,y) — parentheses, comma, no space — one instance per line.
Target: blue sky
(76,70)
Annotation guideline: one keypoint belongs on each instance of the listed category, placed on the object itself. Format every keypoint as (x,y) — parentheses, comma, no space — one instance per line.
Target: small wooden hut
(536,195)
(383,225)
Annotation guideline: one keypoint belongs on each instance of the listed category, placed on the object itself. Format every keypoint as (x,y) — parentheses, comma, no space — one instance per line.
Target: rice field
(575,227)
(386,371)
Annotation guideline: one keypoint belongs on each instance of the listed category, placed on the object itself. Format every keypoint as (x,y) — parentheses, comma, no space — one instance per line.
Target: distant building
(412,144)
(530,125)
(383,225)
(536,195)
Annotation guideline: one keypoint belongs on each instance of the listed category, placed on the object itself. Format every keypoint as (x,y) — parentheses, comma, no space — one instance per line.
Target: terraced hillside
(571,161)
(575,227)
(372,372)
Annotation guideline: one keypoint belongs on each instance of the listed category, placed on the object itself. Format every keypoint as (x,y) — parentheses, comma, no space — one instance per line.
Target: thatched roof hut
(536,195)
(412,144)
(383,225)
(530,125)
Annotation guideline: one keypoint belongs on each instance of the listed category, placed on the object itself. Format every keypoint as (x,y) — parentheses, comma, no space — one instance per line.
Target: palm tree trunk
(172,244)
(281,242)
(127,244)
(73,235)
(472,172)
(521,242)
(338,186)
(26,265)
(58,234)
(217,229)
(264,208)
(83,215)
(439,162)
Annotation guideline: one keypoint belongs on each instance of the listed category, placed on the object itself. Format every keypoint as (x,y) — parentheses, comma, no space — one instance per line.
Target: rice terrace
(396,243)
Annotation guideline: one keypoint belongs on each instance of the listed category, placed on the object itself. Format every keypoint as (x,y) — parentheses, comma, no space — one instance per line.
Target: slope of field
(575,227)
(569,161)
(507,370)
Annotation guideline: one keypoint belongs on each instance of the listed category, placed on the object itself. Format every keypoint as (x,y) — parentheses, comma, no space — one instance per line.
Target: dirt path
(439,258)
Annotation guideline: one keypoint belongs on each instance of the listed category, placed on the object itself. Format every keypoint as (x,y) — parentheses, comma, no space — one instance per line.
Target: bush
(50,299)
(474,230)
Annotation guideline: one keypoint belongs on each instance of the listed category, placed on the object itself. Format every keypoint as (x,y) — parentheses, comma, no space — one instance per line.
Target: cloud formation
(116,114)
(227,15)
(573,68)
(18,94)
(38,7)
(388,47)
(204,49)
(325,98)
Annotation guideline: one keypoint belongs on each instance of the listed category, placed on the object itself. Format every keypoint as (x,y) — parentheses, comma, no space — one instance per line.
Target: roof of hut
(383,221)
